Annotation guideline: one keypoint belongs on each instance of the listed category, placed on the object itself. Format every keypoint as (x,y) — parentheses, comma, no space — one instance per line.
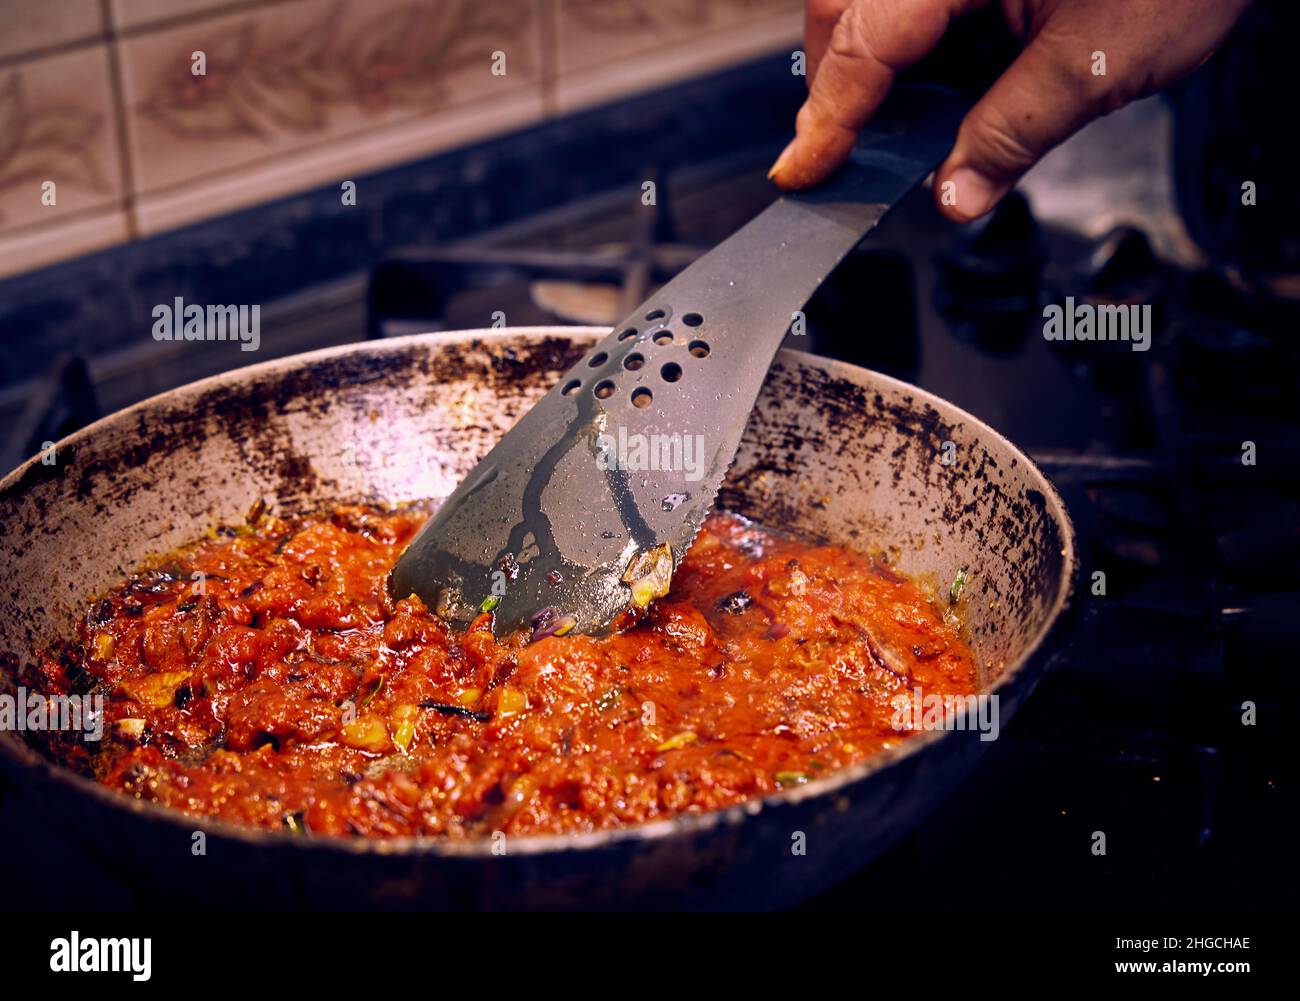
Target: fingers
(1056,86)
(819,19)
(856,47)
(869,44)
(1042,99)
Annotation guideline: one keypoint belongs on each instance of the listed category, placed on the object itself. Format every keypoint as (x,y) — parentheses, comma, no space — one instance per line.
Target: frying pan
(831,451)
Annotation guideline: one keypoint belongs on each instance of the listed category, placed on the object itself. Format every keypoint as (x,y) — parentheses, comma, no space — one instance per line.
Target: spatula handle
(756,279)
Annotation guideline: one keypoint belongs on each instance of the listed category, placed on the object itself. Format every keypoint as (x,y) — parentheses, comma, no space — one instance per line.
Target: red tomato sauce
(284,689)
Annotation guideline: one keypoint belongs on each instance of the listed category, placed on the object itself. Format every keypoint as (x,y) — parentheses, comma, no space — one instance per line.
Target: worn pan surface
(831,451)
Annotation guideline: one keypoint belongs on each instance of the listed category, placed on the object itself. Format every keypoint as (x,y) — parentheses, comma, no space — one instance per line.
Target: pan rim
(16,753)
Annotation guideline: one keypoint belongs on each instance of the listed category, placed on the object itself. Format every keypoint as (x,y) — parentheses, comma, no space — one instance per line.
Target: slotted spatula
(587,506)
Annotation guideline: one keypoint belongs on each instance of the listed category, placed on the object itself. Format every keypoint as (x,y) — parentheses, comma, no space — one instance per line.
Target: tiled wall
(100,97)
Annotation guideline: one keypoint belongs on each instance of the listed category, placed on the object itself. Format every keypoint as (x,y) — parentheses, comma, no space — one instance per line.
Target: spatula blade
(588,504)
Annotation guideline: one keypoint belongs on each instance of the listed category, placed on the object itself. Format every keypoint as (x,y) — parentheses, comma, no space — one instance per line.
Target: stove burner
(62,402)
(420,289)
(989,281)
(1123,269)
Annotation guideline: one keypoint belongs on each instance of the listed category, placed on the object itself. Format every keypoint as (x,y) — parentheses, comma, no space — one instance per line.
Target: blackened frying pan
(830,451)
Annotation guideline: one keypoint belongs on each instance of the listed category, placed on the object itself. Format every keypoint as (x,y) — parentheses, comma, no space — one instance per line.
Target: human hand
(1081,59)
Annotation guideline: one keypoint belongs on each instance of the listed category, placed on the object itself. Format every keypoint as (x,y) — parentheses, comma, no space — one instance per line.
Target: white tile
(30,249)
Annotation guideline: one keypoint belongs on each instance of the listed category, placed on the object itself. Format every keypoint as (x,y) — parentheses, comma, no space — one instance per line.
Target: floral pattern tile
(298,93)
(607,50)
(285,77)
(592,32)
(57,125)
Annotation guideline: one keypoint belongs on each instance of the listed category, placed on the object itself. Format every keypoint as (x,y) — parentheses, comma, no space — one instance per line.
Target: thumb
(1042,99)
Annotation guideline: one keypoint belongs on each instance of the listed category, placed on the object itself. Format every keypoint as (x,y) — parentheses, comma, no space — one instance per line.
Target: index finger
(870,43)
(820,18)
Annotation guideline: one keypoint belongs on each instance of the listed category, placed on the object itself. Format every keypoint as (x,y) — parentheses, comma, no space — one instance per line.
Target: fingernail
(972,194)
(780,160)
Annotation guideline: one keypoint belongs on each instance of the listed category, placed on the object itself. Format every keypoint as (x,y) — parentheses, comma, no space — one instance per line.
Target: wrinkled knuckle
(863,32)
(998,140)
(851,39)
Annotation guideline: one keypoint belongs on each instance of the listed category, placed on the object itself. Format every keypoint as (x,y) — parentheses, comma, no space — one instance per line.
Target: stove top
(1178,465)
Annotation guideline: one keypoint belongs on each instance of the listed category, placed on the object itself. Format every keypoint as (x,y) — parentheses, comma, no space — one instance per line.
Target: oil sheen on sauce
(265,677)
